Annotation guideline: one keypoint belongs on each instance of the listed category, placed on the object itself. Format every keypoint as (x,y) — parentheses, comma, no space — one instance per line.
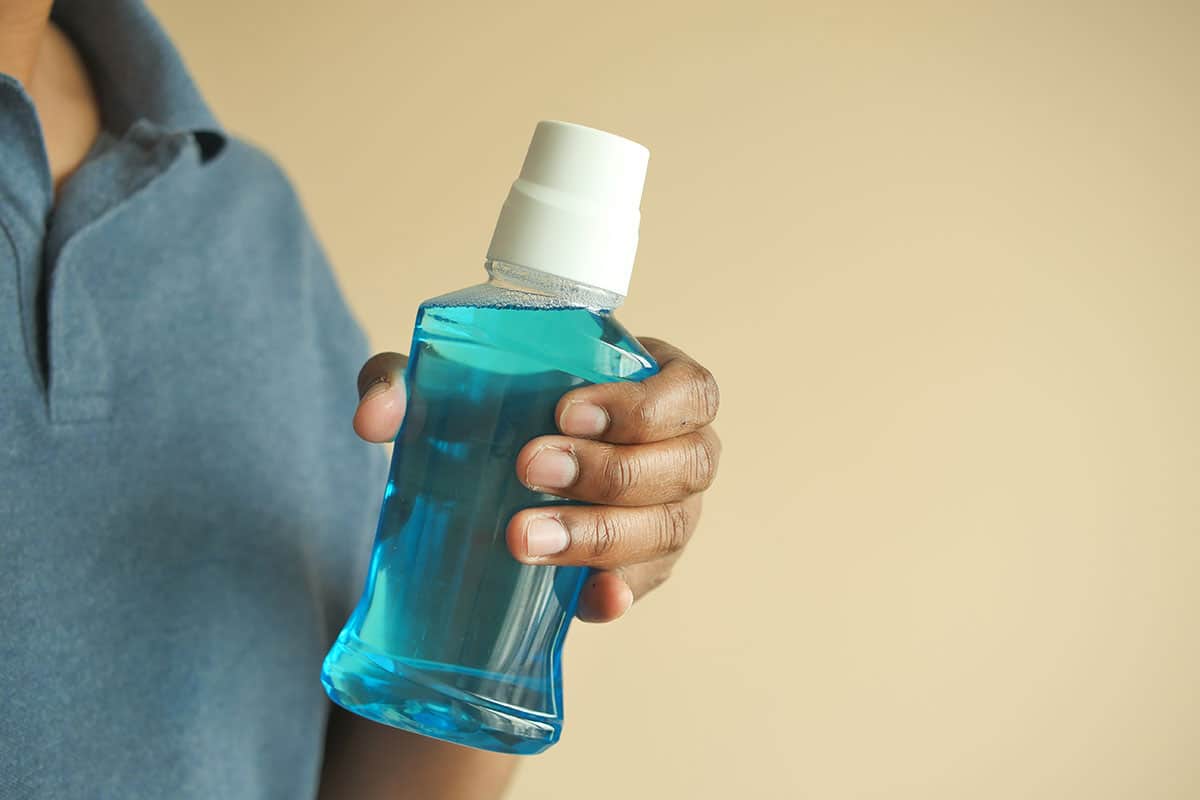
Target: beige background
(944,260)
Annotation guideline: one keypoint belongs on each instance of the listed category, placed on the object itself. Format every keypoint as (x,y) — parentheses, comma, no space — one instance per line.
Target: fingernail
(552,468)
(583,419)
(376,387)
(545,536)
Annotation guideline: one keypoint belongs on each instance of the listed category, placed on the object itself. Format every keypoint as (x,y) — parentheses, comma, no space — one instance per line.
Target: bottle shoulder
(489,325)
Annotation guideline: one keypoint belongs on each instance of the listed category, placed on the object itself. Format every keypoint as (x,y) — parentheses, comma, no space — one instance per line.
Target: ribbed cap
(574,211)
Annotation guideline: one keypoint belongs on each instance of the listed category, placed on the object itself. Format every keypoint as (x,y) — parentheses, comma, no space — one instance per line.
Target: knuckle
(620,475)
(715,445)
(635,411)
(702,462)
(673,528)
(604,537)
(707,393)
(644,414)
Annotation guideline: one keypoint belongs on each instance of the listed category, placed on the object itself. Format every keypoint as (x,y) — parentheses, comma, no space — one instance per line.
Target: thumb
(381,397)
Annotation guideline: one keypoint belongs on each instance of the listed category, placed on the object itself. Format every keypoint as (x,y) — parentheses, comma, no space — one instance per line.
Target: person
(185,518)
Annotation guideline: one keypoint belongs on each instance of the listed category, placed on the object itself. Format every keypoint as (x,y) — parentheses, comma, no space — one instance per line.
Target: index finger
(682,397)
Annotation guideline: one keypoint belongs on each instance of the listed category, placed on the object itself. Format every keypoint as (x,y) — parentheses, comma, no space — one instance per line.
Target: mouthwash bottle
(453,638)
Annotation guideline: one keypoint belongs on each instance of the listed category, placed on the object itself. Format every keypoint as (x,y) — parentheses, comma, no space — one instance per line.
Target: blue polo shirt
(185,513)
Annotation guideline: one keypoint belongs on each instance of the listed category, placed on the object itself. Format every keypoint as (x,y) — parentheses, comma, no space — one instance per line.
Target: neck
(562,291)
(22,27)
(37,53)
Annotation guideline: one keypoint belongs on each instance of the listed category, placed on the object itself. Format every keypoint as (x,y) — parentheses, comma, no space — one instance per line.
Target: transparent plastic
(453,638)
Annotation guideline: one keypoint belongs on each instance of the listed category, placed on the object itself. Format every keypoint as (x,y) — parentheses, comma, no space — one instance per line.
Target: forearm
(367,761)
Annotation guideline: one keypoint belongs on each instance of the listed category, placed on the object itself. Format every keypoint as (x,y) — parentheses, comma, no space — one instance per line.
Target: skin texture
(642,452)
(22,26)
(645,470)
(37,53)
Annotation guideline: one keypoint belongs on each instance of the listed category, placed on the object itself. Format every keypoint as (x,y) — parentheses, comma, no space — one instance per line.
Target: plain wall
(943,259)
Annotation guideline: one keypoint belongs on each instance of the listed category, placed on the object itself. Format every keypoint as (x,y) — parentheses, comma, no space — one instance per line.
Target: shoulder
(243,186)
(258,238)
(224,246)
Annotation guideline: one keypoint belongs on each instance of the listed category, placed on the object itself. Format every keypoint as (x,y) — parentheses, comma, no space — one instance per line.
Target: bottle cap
(574,210)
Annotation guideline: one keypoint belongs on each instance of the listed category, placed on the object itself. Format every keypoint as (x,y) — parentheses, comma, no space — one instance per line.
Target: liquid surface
(453,637)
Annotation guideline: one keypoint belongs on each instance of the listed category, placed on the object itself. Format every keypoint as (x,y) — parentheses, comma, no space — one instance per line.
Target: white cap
(574,210)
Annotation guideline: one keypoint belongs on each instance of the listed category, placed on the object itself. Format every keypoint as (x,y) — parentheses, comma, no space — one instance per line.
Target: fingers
(626,475)
(658,452)
(633,549)
(603,537)
(682,397)
(382,398)
(608,594)
(605,597)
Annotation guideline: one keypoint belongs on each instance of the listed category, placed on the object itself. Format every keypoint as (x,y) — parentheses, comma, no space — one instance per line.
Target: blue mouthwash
(453,637)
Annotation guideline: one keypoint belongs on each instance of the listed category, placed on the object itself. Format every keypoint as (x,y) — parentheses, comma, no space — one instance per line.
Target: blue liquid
(453,638)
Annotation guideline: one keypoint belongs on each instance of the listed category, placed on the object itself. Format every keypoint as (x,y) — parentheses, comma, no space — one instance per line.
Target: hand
(642,452)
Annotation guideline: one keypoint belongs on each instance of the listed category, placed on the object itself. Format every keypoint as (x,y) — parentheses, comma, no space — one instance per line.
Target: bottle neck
(563,291)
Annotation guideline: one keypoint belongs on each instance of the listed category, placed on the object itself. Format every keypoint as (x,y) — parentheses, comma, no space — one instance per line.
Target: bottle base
(413,696)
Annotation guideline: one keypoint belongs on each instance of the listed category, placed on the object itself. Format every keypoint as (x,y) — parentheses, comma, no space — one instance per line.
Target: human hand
(642,452)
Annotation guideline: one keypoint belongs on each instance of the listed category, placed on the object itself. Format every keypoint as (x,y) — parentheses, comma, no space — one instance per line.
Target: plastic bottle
(453,638)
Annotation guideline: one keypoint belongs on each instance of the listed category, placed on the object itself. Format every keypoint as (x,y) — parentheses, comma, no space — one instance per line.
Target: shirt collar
(151,112)
(136,71)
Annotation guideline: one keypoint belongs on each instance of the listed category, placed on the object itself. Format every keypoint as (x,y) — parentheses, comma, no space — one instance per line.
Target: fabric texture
(185,513)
